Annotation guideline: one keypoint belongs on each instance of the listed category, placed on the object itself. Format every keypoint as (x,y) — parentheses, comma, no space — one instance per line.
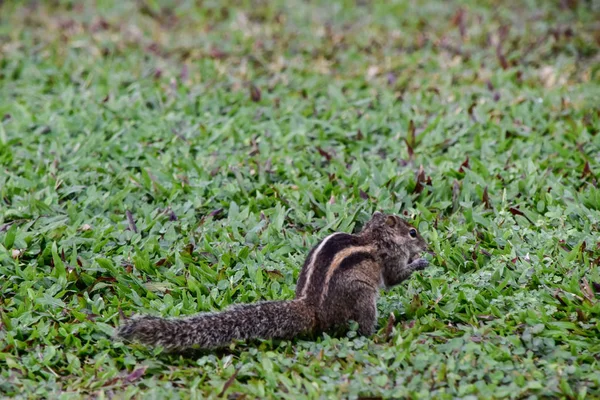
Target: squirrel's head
(393,230)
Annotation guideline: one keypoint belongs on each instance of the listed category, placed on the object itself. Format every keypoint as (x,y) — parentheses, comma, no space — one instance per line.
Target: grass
(166,158)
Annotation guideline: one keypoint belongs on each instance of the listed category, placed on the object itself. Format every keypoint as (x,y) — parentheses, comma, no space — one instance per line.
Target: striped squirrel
(339,282)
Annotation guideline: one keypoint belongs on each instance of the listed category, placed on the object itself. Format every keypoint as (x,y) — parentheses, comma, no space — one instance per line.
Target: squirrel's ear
(390,220)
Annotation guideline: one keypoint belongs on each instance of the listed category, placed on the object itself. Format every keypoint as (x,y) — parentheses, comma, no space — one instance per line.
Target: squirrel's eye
(413,233)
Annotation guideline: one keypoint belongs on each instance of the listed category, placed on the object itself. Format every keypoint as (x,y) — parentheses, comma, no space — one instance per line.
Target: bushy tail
(264,320)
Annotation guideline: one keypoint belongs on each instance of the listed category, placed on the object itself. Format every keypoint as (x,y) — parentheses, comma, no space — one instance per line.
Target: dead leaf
(587,290)
(161,262)
(215,212)
(255,94)
(501,57)
(91,317)
(486,198)
(471,113)
(324,154)
(516,211)
(421,180)
(363,195)
(474,253)
(229,382)
(132,225)
(560,299)
(464,165)
(110,382)
(459,21)
(586,170)
(136,374)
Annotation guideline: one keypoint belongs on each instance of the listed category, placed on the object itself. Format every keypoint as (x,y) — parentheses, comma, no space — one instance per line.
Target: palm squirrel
(339,282)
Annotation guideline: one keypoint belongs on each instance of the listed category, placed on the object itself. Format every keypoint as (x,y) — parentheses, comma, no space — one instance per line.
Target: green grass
(171,159)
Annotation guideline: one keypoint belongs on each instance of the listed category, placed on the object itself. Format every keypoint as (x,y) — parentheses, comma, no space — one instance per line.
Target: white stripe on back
(311,267)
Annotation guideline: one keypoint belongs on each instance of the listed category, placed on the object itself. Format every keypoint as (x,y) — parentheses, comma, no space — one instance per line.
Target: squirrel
(339,282)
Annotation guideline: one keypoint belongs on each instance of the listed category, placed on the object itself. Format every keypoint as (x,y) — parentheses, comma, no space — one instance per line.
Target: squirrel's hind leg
(365,309)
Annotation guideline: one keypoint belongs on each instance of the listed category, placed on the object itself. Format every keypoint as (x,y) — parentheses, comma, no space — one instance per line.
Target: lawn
(172,157)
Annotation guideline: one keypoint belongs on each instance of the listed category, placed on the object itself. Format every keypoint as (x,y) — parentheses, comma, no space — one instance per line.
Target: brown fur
(339,282)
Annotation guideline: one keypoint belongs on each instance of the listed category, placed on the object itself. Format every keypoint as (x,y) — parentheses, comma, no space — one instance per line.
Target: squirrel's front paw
(419,264)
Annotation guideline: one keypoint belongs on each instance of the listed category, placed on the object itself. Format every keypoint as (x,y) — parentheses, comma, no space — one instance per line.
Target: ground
(171,157)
